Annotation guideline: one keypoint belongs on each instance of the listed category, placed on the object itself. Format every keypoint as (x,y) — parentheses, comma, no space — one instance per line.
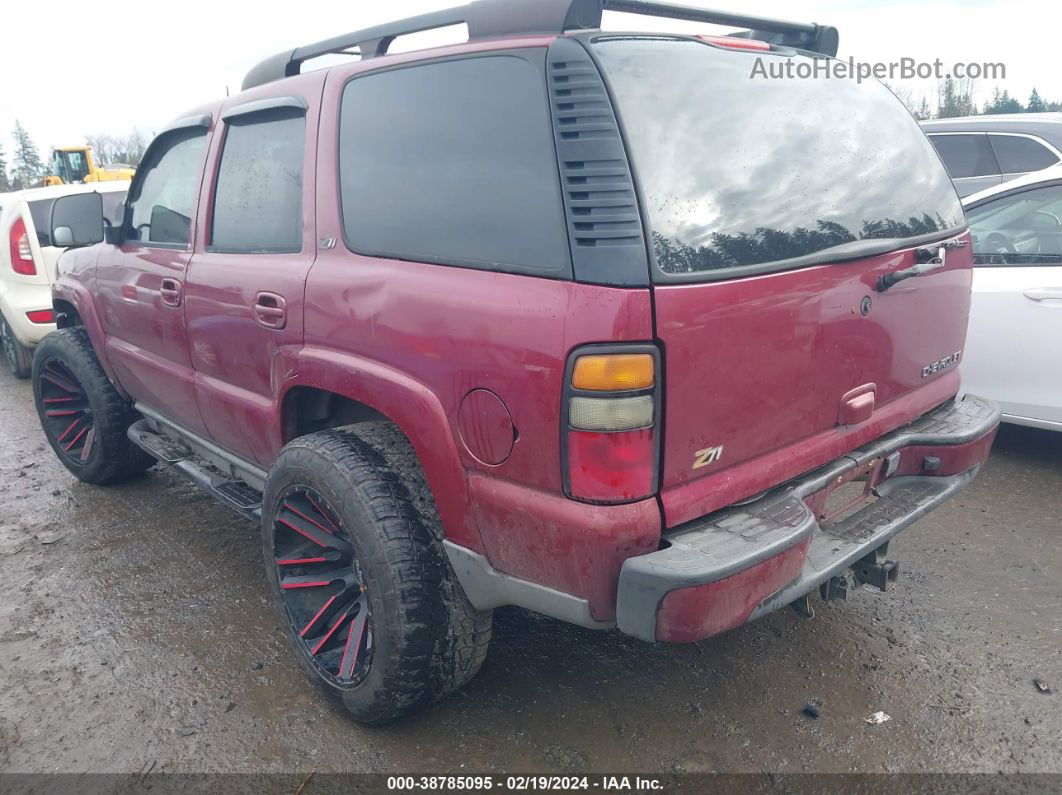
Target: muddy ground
(135,634)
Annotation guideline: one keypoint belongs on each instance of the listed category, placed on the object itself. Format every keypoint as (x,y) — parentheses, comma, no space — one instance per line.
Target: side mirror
(77,220)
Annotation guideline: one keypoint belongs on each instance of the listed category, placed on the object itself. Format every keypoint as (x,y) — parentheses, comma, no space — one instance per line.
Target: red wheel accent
(70,424)
(321,587)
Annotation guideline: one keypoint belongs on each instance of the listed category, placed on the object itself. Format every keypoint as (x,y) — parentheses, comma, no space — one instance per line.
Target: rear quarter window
(1018,154)
(746,175)
(41,213)
(453,162)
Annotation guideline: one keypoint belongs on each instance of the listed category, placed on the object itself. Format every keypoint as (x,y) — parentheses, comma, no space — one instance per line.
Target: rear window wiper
(929,259)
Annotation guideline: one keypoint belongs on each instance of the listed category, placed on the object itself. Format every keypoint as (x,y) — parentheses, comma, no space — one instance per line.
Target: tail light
(611,412)
(21,253)
(41,316)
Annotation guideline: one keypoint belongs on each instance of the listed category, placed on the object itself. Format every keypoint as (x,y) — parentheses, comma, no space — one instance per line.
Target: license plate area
(846,494)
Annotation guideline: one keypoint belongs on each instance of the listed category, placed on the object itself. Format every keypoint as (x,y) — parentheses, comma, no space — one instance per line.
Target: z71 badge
(703,458)
(941,364)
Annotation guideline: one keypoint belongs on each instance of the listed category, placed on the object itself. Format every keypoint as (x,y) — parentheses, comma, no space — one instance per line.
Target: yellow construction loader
(72,164)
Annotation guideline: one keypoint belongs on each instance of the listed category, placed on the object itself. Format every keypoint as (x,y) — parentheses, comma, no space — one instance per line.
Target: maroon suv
(603,325)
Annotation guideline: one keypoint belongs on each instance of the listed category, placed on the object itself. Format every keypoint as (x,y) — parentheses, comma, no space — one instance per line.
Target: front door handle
(170,290)
(1044,294)
(271,310)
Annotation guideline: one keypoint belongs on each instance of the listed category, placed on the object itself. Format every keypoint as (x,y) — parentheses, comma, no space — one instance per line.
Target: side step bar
(236,494)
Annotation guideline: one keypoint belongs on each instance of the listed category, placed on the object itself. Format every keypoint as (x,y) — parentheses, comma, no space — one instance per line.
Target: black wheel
(18,357)
(83,416)
(366,594)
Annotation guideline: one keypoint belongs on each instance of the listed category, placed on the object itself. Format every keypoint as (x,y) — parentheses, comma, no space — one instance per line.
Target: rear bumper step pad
(773,550)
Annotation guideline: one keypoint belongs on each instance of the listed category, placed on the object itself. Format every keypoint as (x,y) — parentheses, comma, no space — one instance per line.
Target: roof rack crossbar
(488,18)
(807,36)
(692,14)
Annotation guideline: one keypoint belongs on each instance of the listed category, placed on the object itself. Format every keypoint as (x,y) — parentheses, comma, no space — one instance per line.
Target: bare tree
(109,149)
(956,98)
(916,102)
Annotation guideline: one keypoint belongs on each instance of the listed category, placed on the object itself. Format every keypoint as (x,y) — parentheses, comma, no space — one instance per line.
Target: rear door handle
(1044,294)
(271,310)
(170,289)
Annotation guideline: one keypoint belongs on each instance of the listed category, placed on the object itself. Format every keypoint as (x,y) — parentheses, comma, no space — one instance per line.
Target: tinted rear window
(757,174)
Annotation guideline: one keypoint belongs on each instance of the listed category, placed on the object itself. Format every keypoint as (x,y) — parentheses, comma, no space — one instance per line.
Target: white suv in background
(27,265)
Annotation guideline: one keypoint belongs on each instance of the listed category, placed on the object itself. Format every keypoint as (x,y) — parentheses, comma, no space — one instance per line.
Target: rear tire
(82,414)
(422,639)
(18,357)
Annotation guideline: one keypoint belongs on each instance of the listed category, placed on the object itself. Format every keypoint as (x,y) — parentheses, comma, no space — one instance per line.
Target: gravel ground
(135,634)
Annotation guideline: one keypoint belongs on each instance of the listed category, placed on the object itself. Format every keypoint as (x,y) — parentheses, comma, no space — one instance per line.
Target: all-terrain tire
(427,638)
(18,357)
(65,361)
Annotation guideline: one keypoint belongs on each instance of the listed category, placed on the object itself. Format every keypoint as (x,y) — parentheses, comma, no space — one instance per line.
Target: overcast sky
(69,69)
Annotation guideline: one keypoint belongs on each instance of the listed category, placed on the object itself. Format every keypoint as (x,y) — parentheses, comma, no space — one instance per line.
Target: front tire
(82,414)
(363,587)
(18,357)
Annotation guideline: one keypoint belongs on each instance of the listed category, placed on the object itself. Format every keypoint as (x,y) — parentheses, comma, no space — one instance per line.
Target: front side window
(1021,229)
(453,162)
(258,202)
(744,174)
(160,212)
(1018,154)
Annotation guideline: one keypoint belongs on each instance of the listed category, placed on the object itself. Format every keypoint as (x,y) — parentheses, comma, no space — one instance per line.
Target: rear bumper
(18,298)
(735,565)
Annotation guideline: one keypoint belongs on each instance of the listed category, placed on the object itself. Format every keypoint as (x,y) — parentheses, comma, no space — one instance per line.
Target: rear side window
(1018,154)
(41,213)
(744,174)
(160,211)
(258,202)
(453,162)
(966,155)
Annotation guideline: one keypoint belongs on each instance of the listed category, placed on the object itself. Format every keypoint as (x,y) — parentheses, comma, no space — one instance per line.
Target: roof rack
(495,18)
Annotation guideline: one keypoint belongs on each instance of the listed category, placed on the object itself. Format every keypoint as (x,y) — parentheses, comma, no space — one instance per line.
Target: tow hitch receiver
(876,570)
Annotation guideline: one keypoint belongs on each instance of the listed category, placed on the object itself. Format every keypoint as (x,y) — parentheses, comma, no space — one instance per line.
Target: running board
(236,494)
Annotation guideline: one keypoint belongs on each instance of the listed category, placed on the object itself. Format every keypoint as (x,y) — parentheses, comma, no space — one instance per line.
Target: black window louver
(600,202)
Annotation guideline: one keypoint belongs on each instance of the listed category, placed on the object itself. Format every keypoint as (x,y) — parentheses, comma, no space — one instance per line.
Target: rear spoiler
(497,18)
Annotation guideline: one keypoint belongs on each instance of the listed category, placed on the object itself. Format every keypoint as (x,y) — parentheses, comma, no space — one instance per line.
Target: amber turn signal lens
(614,373)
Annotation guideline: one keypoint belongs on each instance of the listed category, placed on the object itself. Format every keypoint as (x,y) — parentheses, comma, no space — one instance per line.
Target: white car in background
(1014,345)
(27,265)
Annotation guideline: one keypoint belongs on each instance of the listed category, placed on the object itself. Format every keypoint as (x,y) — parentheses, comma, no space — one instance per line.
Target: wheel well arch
(308,409)
(66,316)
